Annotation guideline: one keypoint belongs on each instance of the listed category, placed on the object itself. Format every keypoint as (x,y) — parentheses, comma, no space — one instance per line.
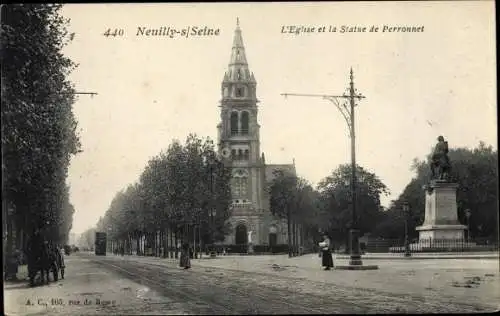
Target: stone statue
(440,162)
(250,236)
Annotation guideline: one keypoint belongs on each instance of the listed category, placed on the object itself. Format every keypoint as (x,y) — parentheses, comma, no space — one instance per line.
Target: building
(239,145)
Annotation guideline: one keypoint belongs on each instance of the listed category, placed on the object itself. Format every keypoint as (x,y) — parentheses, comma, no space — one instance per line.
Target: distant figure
(185,261)
(326,254)
(60,259)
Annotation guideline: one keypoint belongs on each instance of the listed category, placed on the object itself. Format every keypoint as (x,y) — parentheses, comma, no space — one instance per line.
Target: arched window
(240,154)
(243,187)
(233,154)
(240,92)
(246,155)
(239,184)
(238,74)
(244,123)
(235,187)
(239,187)
(234,123)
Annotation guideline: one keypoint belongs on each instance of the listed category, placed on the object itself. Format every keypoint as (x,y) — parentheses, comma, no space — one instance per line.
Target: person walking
(185,261)
(326,254)
(60,259)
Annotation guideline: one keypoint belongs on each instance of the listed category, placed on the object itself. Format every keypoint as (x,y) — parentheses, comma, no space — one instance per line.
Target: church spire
(238,83)
(238,50)
(238,65)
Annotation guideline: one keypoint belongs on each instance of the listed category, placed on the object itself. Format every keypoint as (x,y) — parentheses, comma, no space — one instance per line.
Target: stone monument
(250,244)
(441,219)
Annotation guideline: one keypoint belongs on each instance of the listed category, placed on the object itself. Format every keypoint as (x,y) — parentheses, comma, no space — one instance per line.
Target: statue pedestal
(250,248)
(441,221)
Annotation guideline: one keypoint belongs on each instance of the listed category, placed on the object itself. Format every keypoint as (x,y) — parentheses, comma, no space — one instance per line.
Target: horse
(42,259)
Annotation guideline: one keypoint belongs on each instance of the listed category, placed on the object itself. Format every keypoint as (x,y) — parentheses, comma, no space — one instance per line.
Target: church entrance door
(241,235)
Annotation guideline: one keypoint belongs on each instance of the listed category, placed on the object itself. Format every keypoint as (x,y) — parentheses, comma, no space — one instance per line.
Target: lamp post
(467,215)
(211,209)
(213,213)
(347,111)
(406,211)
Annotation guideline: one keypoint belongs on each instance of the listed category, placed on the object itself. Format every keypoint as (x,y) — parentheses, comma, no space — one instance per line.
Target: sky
(151,90)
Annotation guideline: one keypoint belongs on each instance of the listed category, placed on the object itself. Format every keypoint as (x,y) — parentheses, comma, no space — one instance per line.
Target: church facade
(239,147)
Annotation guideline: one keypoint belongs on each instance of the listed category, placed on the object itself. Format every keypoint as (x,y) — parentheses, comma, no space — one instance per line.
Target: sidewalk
(437,255)
(86,290)
(471,281)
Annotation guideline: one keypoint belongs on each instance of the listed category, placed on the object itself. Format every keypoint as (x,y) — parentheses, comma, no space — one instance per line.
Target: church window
(234,123)
(236,187)
(240,187)
(240,92)
(246,155)
(238,74)
(243,186)
(244,123)
(233,153)
(240,154)
(238,54)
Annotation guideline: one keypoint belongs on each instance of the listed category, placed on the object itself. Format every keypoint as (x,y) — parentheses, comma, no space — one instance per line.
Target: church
(239,147)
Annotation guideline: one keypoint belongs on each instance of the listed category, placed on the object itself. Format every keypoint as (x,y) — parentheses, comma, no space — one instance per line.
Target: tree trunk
(176,243)
(137,240)
(290,252)
(165,243)
(171,245)
(296,238)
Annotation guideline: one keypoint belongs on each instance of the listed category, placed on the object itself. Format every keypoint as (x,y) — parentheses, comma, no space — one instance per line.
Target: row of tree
(176,192)
(183,194)
(38,126)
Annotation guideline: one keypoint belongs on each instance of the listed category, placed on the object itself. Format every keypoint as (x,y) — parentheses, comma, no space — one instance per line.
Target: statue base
(441,221)
(250,248)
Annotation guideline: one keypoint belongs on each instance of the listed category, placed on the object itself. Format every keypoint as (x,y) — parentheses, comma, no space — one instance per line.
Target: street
(116,285)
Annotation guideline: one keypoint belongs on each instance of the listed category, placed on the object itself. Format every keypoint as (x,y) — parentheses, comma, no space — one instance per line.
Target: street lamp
(406,211)
(347,111)
(211,210)
(467,215)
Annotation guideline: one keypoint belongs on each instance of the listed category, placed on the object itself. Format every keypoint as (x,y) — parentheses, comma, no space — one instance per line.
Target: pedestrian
(326,254)
(60,259)
(185,261)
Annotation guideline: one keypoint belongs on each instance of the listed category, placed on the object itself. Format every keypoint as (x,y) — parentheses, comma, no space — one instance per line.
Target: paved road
(140,287)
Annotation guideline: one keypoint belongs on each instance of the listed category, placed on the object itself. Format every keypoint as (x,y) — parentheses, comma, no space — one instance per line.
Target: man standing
(440,159)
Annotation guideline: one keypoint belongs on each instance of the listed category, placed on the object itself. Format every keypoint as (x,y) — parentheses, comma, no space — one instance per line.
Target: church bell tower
(238,131)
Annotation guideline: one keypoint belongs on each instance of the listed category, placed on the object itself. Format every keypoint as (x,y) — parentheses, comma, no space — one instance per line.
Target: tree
(38,126)
(294,199)
(335,201)
(174,193)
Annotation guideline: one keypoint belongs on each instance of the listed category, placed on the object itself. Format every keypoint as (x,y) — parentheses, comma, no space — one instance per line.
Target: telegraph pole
(346,108)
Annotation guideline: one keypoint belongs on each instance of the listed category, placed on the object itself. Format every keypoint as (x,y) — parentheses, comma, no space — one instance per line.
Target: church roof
(287,168)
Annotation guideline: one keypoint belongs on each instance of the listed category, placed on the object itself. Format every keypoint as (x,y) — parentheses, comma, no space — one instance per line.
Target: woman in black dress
(326,253)
(185,261)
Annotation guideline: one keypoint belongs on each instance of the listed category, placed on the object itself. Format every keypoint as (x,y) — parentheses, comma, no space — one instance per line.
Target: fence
(431,245)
